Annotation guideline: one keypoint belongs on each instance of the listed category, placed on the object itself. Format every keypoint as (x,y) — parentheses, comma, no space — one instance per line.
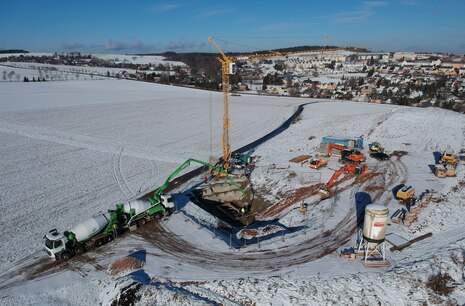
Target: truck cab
(167,201)
(55,245)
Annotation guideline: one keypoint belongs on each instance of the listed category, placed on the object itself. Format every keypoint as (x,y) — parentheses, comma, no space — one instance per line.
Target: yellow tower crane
(227,67)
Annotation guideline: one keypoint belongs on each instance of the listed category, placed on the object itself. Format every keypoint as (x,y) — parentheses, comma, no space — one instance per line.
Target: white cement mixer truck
(105,227)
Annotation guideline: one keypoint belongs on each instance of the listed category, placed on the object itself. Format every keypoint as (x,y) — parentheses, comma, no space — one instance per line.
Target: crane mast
(226,69)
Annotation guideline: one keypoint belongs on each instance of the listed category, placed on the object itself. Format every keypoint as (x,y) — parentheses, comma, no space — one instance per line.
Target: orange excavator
(336,146)
(347,155)
(349,169)
(352,156)
(317,163)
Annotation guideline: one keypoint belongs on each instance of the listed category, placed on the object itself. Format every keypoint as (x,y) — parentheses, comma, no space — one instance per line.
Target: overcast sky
(144,26)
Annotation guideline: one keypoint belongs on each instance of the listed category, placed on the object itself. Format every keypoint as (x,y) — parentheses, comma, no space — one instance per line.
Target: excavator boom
(347,169)
(332,146)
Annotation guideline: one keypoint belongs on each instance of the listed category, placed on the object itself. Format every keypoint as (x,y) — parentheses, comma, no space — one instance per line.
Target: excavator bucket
(324,193)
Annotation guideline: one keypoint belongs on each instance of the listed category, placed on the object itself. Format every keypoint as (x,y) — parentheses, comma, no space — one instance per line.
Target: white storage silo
(374,225)
(374,232)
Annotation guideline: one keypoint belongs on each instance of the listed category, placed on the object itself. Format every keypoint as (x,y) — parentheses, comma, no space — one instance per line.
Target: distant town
(402,78)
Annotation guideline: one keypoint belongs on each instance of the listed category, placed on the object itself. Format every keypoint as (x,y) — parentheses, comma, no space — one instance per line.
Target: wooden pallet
(376,263)
(299,159)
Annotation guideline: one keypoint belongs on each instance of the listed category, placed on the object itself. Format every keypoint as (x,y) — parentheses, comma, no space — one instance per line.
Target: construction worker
(205,179)
(242,211)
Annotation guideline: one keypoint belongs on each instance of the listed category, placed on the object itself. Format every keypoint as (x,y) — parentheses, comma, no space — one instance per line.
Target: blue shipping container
(349,142)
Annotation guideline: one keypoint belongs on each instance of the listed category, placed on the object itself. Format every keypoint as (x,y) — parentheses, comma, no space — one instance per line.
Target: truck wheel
(142,222)
(79,250)
(158,216)
(65,255)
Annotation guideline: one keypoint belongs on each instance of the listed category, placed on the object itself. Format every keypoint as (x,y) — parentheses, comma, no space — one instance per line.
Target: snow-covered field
(71,149)
(117,58)
(16,71)
(138,59)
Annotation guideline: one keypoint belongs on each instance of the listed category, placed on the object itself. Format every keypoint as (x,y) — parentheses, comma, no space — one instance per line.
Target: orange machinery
(347,155)
(349,169)
(317,163)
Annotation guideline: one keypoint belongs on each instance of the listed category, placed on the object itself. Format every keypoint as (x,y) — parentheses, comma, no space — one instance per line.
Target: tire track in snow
(87,142)
(205,292)
(118,174)
(392,173)
(403,170)
(254,261)
(146,184)
(382,119)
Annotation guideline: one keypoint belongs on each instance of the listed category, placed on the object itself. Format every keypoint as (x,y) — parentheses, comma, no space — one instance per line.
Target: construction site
(304,196)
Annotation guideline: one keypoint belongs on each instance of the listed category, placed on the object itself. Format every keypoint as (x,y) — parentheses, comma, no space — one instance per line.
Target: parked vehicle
(317,163)
(105,227)
(448,158)
(375,147)
(406,195)
(379,156)
(95,231)
(352,157)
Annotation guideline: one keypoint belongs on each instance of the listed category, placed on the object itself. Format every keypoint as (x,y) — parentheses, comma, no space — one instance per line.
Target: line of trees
(26,79)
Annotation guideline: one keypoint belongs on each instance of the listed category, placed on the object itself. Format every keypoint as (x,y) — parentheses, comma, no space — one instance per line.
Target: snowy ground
(16,71)
(71,149)
(138,59)
(117,58)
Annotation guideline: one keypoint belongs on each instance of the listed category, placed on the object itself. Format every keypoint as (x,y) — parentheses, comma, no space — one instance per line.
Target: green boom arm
(156,194)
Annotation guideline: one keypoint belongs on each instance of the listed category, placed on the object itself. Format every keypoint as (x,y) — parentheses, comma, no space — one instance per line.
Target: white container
(374,225)
(138,205)
(90,227)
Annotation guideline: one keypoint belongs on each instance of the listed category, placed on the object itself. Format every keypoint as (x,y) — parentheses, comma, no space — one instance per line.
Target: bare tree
(11,74)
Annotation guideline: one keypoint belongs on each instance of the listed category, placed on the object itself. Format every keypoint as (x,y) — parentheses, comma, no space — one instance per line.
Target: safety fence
(260,233)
